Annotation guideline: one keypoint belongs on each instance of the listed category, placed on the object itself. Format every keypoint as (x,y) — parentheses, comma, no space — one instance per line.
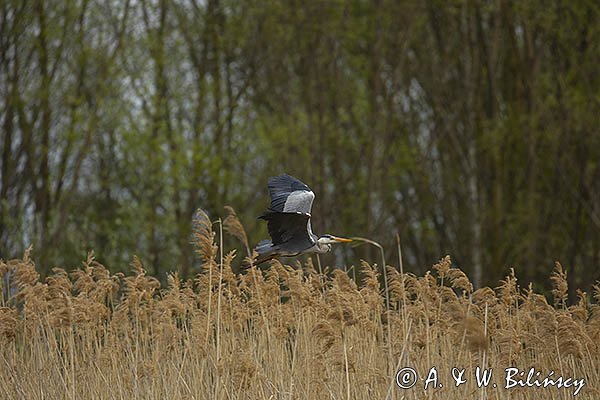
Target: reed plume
(278,332)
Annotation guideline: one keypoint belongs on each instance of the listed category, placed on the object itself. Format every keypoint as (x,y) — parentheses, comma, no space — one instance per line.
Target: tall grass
(282,332)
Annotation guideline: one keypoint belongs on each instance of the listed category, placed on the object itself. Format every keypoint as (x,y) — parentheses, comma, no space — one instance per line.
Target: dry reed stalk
(282,332)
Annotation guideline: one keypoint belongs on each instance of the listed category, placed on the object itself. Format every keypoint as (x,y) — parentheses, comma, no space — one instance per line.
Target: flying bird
(288,222)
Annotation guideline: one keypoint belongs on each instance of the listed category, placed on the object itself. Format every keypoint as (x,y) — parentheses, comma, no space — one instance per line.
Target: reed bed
(284,332)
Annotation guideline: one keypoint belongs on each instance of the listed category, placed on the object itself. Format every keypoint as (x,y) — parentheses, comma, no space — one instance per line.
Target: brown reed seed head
(560,288)
(233,226)
(203,236)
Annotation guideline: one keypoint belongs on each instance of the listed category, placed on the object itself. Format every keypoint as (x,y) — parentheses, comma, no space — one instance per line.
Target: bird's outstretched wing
(290,195)
(289,231)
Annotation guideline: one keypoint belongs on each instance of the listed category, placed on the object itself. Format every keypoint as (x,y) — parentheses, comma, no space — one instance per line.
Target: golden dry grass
(283,333)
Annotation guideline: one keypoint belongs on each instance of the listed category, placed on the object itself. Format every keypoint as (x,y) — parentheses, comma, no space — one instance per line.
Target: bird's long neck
(320,246)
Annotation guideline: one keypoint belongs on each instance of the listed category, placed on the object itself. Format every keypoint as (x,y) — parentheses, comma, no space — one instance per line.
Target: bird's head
(327,240)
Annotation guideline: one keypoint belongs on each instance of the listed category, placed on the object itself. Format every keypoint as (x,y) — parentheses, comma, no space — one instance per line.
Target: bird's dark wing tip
(286,182)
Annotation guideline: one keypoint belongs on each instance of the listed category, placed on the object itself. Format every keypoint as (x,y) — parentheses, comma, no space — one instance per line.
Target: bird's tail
(264,246)
(266,251)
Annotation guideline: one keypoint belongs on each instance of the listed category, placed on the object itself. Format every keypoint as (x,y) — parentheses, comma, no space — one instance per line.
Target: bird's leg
(319,264)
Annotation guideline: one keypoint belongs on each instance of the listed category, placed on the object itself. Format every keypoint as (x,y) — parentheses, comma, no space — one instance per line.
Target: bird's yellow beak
(341,240)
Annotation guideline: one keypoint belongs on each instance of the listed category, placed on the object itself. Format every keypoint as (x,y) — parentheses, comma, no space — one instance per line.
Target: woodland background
(470,128)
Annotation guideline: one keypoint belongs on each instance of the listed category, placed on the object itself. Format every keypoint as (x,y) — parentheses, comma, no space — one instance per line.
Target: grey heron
(288,222)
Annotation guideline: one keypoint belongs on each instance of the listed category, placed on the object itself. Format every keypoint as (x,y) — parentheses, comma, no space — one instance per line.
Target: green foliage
(470,128)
